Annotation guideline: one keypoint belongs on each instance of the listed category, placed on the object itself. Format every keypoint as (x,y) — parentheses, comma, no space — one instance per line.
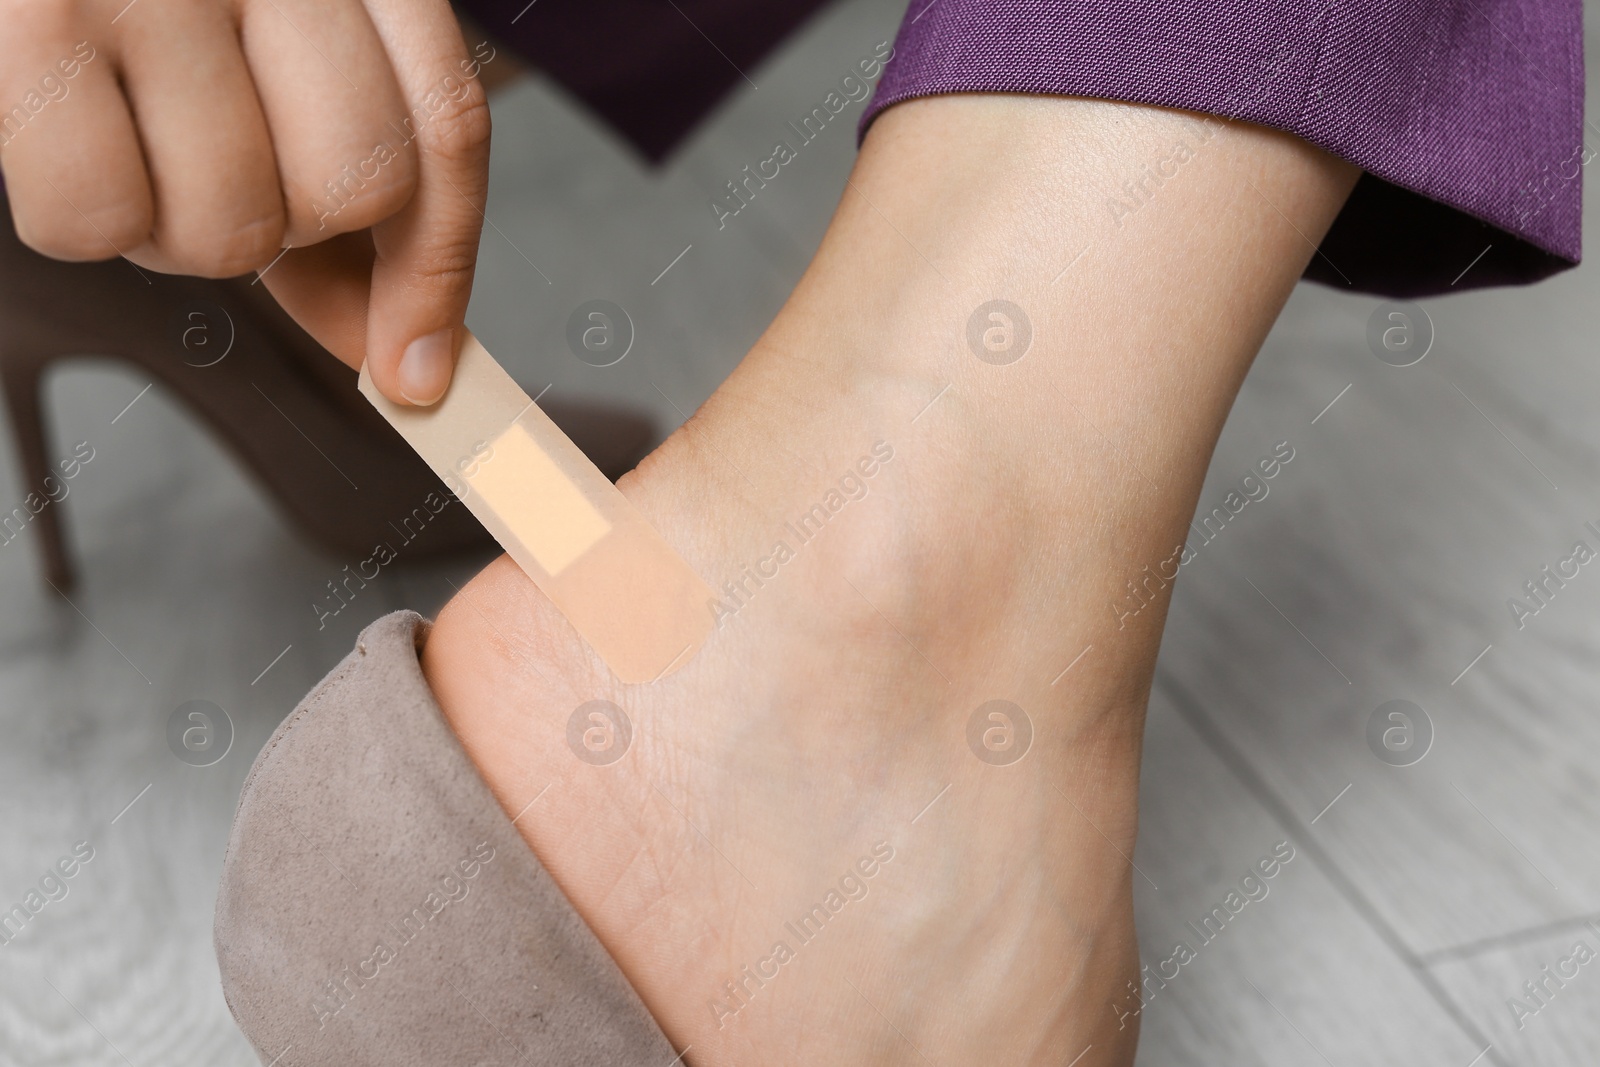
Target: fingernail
(425,368)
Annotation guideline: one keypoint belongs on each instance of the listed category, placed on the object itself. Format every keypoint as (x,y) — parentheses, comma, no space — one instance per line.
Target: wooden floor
(1420,898)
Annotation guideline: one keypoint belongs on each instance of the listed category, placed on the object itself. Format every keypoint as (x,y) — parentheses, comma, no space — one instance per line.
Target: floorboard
(1297,975)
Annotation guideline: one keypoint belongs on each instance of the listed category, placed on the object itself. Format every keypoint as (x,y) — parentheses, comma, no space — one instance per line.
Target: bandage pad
(617,581)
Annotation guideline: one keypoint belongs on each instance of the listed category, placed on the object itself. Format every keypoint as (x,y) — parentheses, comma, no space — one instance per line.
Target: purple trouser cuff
(1467,118)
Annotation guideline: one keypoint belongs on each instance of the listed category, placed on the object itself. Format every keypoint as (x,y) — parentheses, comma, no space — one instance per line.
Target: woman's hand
(207,136)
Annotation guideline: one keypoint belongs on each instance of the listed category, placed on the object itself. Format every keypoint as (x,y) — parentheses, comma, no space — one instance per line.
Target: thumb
(426,253)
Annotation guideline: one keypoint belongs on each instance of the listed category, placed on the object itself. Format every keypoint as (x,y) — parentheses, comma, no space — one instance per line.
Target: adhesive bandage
(616,580)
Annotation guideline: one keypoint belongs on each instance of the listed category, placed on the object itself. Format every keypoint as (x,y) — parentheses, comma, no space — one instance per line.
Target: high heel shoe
(452,944)
(277,399)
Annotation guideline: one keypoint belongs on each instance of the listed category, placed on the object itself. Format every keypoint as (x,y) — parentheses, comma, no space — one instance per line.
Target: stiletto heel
(23,381)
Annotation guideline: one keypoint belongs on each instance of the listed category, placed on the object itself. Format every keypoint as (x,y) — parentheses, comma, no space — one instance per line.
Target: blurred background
(1441,861)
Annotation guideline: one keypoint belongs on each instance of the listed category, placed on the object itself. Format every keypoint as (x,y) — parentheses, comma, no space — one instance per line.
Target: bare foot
(820,841)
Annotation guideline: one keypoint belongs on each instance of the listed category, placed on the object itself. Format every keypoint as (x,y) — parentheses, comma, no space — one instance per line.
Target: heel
(22,379)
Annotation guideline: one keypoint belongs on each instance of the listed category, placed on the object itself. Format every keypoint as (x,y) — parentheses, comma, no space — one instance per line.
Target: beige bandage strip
(618,582)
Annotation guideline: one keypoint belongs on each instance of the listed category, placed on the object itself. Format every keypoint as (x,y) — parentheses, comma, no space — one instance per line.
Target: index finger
(427,251)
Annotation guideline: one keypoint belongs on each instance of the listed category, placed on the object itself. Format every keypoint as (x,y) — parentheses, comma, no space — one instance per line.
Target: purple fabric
(1467,117)
(650,68)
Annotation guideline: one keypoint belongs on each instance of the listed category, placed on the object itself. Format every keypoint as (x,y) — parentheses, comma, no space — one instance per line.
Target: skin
(829,714)
(198,137)
(822,732)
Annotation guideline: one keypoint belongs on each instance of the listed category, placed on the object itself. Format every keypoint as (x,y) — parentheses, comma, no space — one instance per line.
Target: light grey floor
(1420,898)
